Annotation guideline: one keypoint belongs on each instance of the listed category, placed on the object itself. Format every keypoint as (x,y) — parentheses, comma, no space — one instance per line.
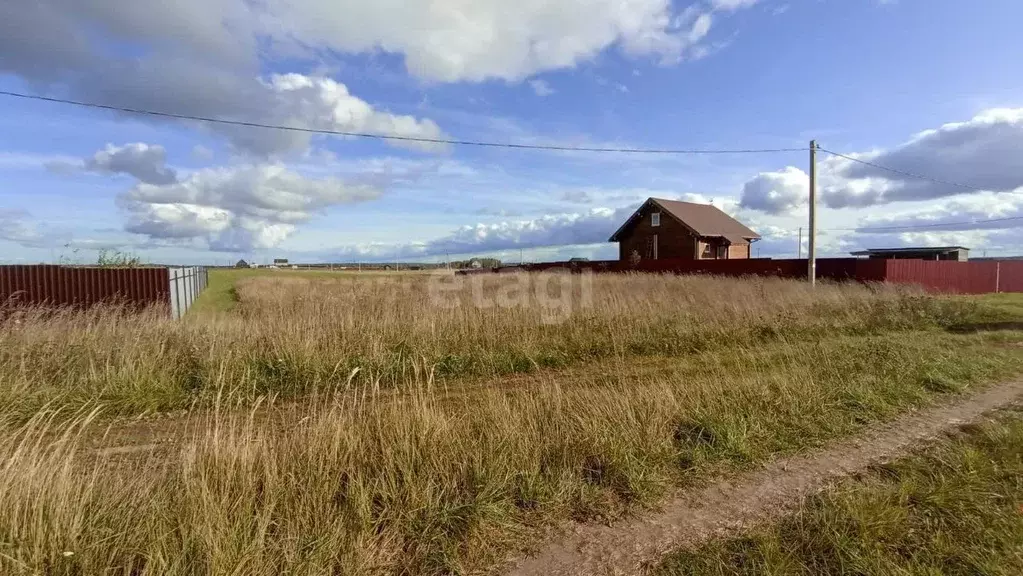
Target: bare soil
(729,506)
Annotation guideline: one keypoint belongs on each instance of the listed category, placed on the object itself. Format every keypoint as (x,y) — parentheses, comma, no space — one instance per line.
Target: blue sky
(927,87)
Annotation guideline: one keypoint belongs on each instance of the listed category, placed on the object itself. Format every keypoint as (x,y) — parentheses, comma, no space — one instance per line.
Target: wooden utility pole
(811,268)
(799,243)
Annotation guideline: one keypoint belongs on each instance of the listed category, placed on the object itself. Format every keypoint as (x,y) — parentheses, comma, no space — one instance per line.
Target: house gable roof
(703,220)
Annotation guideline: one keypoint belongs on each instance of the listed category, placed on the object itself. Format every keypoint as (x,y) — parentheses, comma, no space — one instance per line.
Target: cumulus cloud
(201,58)
(780,192)
(444,40)
(456,41)
(207,57)
(237,208)
(146,162)
(981,152)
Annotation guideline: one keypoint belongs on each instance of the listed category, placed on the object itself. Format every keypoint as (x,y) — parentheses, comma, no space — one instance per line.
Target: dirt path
(165,431)
(635,546)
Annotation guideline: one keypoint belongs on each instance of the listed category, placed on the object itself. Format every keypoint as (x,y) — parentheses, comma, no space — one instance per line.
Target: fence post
(998,277)
(177,294)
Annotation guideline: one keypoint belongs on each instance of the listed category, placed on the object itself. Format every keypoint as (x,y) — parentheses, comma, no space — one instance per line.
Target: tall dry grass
(422,480)
(423,483)
(289,337)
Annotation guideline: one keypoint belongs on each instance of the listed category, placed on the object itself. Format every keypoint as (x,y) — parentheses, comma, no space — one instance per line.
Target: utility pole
(800,244)
(811,268)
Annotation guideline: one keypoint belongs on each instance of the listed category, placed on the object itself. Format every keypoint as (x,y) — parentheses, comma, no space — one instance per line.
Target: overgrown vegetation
(431,483)
(397,460)
(957,508)
(290,336)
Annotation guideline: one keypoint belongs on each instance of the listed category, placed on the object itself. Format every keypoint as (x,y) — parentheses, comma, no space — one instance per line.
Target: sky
(925,88)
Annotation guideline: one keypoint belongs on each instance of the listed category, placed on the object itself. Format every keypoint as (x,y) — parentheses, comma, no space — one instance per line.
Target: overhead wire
(923,226)
(898,228)
(549,147)
(902,172)
(395,137)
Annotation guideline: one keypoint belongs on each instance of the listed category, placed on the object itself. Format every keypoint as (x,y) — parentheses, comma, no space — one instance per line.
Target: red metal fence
(934,276)
(81,287)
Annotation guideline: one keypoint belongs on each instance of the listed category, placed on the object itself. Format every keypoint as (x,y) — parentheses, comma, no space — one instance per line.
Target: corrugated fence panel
(183,286)
(934,276)
(944,276)
(84,286)
(1010,276)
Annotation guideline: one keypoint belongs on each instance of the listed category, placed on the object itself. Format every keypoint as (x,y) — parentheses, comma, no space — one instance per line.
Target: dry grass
(289,336)
(368,484)
(419,481)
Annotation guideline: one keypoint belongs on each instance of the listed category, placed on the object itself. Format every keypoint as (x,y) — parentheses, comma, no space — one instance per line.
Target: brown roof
(703,219)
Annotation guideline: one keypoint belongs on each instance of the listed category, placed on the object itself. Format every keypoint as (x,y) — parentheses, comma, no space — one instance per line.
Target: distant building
(670,229)
(475,264)
(956,253)
(241,264)
(280,261)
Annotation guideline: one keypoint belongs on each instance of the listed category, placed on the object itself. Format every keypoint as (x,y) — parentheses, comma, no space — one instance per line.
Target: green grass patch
(955,508)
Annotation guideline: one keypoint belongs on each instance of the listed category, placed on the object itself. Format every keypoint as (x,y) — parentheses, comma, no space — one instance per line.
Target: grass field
(956,508)
(293,335)
(422,438)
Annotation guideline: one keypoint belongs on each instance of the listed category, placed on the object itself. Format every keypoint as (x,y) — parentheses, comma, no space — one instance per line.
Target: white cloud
(200,58)
(235,209)
(15,226)
(323,103)
(732,5)
(982,152)
(146,162)
(780,192)
(985,211)
(449,40)
(541,88)
(443,40)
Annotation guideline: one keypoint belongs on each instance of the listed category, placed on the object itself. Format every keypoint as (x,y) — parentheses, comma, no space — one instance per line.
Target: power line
(211,120)
(922,226)
(904,173)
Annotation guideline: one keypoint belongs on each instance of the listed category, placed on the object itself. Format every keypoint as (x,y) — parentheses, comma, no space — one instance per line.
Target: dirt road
(633,547)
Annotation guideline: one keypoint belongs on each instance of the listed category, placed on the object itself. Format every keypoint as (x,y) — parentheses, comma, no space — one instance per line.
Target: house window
(723,252)
(655,219)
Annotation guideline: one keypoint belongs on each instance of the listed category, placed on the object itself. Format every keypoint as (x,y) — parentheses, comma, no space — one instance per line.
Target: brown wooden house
(663,229)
